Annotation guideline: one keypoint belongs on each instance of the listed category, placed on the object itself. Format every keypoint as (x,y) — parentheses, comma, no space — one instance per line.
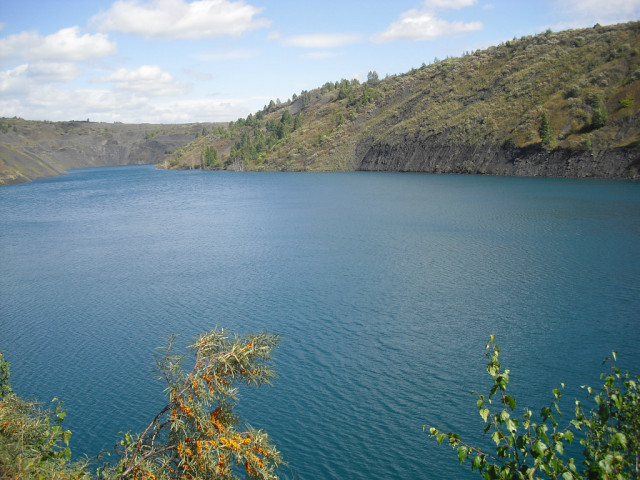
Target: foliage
(546,130)
(627,102)
(5,386)
(33,443)
(210,157)
(195,436)
(612,431)
(529,449)
(599,117)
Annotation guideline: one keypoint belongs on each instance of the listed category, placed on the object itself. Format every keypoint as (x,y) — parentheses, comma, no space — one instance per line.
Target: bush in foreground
(528,449)
(195,435)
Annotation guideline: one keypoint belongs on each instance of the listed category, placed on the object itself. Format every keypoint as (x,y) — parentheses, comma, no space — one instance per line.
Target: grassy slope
(490,97)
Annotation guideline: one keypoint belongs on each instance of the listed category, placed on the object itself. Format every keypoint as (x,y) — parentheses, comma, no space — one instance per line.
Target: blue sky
(175,61)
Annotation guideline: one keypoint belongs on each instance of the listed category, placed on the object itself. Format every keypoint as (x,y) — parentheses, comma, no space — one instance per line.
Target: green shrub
(527,448)
(626,102)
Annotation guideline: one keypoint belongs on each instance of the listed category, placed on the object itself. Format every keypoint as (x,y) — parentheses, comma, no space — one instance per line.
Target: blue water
(383,287)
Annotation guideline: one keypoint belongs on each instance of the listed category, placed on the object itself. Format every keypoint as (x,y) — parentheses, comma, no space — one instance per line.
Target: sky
(181,61)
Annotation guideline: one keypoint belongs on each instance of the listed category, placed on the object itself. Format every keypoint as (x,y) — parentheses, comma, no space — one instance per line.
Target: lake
(384,289)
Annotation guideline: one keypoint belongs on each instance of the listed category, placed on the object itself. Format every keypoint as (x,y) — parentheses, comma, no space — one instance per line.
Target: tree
(599,117)
(372,77)
(526,449)
(546,131)
(297,121)
(195,436)
(209,157)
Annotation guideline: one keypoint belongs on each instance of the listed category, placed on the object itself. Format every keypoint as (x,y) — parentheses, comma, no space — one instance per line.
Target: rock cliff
(433,155)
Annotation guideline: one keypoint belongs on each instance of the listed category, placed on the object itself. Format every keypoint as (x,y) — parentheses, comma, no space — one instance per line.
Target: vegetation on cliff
(576,91)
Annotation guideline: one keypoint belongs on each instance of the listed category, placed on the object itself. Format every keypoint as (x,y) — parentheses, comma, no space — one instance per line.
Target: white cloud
(53,103)
(66,45)
(423,25)
(457,4)
(321,40)
(179,19)
(53,72)
(14,80)
(26,76)
(200,110)
(590,12)
(148,80)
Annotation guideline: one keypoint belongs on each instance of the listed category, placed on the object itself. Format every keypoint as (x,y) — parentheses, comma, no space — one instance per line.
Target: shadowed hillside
(554,104)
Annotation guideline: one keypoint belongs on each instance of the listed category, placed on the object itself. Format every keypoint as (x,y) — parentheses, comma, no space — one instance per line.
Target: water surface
(383,287)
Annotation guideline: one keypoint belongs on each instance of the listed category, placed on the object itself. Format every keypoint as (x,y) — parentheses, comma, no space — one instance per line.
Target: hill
(555,104)
(30,149)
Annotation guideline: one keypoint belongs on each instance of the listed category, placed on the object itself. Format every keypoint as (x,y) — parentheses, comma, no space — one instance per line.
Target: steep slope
(554,104)
(31,149)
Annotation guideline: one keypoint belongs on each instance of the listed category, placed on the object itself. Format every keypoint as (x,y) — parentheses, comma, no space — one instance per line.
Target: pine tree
(546,131)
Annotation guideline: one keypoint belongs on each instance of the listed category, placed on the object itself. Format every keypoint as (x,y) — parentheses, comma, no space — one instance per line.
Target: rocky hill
(30,149)
(555,104)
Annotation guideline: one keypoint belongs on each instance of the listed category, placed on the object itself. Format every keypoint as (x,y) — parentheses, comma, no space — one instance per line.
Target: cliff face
(30,149)
(435,155)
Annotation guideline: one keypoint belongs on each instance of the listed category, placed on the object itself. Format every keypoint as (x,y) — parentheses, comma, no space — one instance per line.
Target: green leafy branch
(527,449)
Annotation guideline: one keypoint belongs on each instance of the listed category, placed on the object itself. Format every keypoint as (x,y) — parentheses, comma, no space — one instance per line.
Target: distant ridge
(32,149)
(481,113)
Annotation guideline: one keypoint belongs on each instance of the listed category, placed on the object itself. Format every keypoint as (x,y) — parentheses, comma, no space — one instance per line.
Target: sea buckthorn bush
(195,436)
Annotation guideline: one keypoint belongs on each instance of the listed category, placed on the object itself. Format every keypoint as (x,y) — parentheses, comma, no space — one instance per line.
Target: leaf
(569,436)
(484,413)
(620,439)
(539,448)
(463,453)
(478,463)
(503,416)
(509,400)
(440,437)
